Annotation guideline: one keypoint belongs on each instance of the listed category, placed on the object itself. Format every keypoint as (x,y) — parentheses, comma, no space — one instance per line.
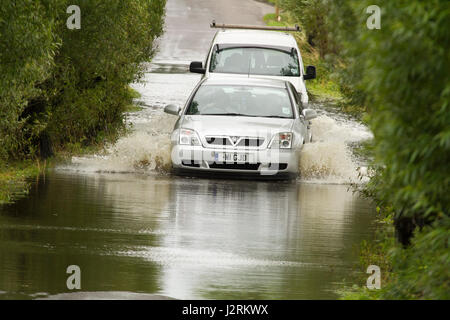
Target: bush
(313,16)
(401,72)
(421,271)
(27,47)
(407,84)
(68,86)
(417,272)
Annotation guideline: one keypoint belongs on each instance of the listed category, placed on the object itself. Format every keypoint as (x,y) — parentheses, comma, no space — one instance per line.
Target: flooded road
(134,228)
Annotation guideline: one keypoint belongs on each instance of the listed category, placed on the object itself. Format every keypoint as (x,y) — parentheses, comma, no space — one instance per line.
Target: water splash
(328,159)
(144,151)
(147,150)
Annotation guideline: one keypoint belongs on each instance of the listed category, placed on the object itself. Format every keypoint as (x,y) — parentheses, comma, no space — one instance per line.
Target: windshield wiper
(242,115)
(276,117)
(228,114)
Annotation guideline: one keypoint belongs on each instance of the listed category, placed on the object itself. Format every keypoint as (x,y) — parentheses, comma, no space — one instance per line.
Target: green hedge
(60,85)
(400,73)
(404,73)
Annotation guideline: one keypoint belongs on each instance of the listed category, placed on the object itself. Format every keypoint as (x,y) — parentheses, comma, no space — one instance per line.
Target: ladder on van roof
(238,26)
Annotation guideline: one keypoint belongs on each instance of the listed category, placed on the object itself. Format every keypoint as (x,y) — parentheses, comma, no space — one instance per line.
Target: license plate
(231,157)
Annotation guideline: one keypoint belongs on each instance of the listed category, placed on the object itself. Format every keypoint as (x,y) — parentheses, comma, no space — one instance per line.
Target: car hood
(236,125)
(296,81)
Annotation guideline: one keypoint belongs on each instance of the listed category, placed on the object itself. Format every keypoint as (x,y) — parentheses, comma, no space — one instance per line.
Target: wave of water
(144,151)
(206,258)
(328,159)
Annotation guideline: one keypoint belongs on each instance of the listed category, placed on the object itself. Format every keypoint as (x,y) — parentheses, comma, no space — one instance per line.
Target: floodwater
(137,231)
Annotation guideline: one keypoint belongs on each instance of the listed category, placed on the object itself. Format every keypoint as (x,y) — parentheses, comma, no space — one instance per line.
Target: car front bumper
(259,162)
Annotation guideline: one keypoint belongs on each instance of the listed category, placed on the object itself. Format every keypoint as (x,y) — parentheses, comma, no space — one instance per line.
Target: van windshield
(256,61)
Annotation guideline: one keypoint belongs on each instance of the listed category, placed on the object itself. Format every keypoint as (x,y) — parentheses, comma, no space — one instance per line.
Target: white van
(256,54)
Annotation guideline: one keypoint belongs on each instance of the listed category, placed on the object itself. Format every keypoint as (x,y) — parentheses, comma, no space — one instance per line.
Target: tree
(313,16)
(60,85)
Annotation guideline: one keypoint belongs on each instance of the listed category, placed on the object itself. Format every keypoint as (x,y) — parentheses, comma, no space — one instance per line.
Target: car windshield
(258,61)
(234,100)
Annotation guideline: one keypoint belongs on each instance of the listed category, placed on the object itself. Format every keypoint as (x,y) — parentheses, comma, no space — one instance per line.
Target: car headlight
(189,137)
(282,140)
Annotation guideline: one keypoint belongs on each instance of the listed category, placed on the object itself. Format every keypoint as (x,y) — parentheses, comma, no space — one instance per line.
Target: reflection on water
(181,237)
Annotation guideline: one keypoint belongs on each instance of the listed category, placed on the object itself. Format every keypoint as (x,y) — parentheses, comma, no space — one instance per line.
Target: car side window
(297,100)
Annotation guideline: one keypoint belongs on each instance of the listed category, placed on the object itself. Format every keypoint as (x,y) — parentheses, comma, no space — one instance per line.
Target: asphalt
(187,29)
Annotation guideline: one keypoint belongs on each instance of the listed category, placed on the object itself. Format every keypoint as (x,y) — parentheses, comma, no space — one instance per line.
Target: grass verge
(417,272)
(14,178)
(371,252)
(325,86)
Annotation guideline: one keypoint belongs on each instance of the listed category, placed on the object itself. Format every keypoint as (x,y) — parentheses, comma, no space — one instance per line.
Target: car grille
(240,142)
(234,166)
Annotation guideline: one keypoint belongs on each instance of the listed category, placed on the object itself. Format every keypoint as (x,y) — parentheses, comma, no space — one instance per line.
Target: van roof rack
(238,26)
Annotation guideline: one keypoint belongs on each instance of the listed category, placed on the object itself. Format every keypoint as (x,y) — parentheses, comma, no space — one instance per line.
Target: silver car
(242,126)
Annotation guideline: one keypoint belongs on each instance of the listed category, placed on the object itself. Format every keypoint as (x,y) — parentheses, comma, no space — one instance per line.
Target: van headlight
(282,140)
(189,137)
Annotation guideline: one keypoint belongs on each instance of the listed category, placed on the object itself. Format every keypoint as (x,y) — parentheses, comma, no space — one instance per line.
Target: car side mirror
(197,67)
(172,109)
(310,73)
(309,114)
